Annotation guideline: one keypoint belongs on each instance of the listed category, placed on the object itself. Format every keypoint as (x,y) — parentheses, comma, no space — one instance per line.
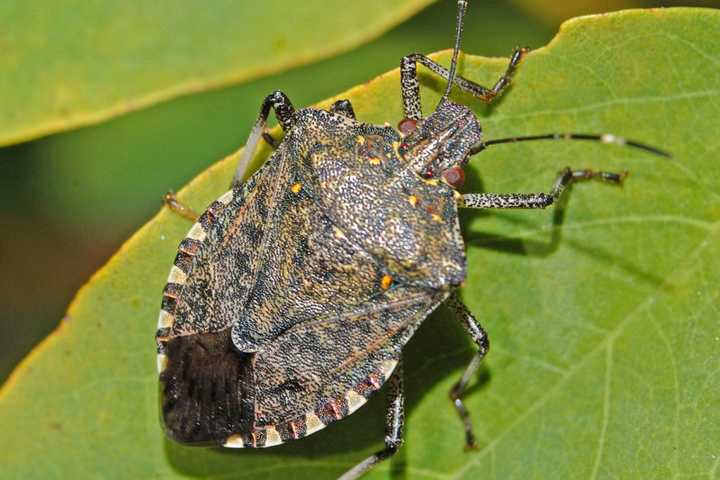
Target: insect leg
(410,87)
(180,208)
(343,107)
(284,111)
(274,144)
(538,200)
(480,338)
(394,426)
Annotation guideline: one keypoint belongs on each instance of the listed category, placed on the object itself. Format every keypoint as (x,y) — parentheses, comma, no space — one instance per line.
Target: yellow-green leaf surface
(66,64)
(604,324)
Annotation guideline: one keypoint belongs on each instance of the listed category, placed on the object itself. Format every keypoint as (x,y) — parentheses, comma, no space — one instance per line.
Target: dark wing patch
(207,389)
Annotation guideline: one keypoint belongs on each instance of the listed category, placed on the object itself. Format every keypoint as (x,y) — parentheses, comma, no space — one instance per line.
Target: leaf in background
(552,13)
(67,64)
(605,343)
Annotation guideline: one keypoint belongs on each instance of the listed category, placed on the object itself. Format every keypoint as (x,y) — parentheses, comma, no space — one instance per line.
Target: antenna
(603,138)
(462,6)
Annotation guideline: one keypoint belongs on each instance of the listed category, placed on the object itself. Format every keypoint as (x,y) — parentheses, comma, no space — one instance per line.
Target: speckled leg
(410,87)
(284,111)
(180,208)
(479,336)
(343,107)
(270,140)
(538,200)
(394,426)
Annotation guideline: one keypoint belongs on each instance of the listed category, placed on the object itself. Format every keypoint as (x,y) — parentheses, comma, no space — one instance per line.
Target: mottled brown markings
(367,349)
(169,304)
(206,220)
(216,208)
(369,384)
(292,429)
(183,261)
(189,246)
(172,290)
(332,410)
(255,439)
(374,380)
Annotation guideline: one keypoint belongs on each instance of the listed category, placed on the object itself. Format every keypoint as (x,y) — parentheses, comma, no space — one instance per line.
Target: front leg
(538,200)
(479,336)
(410,87)
(284,111)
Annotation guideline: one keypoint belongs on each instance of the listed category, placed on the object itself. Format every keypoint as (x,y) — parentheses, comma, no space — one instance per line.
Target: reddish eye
(407,126)
(454,176)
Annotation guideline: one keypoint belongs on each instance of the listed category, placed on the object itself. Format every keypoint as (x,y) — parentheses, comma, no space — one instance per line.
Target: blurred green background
(68,201)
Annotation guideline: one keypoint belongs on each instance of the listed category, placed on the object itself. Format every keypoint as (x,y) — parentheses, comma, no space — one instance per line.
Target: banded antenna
(603,138)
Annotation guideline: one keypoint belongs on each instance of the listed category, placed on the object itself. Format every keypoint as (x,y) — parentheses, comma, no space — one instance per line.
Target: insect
(294,293)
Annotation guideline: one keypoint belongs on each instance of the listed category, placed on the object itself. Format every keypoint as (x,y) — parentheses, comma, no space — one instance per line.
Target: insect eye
(454,176)
(407,126)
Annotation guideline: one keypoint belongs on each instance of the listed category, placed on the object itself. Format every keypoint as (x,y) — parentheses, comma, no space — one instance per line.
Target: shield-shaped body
(292,296)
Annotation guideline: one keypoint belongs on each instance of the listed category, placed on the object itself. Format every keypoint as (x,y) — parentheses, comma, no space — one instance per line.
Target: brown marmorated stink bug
(293,294)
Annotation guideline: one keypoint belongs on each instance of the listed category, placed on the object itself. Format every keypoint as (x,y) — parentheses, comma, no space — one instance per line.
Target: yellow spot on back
(396,146)
(374,161)
(436,217)
(432,181)
(385,282)
(295,188)
(338,233)
(413,200)
(360,139)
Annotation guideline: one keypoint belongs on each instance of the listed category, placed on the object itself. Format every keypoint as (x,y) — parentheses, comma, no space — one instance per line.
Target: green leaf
(67,64)
(605,346)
